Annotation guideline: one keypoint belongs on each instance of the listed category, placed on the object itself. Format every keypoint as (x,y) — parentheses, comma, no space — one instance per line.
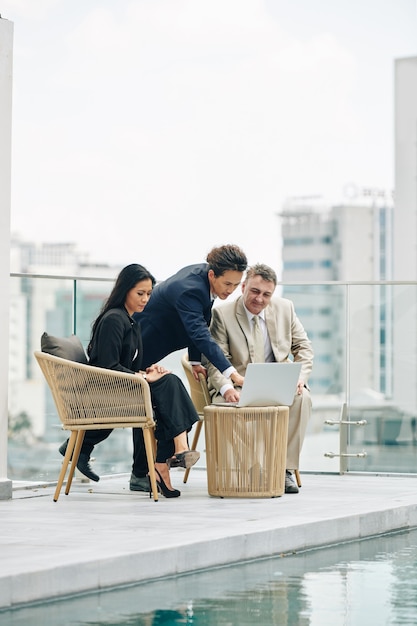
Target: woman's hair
(228,257)
(126,280)
(262,270)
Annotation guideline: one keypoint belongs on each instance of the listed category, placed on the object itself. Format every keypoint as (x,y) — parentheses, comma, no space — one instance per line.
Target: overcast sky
(152,130)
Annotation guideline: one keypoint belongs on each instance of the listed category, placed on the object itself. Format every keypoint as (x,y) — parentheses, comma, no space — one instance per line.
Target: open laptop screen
(268,384)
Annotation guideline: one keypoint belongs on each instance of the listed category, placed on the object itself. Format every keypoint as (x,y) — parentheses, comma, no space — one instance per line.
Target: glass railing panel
(382,372)
(37,305)
(57,306)
(321,309)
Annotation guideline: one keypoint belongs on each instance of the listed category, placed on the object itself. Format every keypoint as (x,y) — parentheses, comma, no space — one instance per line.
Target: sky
(150,131)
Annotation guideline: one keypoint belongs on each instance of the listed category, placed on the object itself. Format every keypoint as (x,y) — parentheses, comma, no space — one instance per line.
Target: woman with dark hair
(116,344)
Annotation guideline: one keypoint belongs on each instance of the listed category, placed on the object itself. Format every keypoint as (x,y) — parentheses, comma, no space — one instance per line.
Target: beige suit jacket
(231,330)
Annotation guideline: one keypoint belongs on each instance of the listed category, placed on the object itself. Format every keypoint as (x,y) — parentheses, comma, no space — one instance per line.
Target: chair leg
(154,442)
(297,477)
(65,462)
(147,436)
(194,446)
(75,456)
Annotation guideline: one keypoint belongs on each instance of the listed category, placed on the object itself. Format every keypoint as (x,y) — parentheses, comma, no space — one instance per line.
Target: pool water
(365,583)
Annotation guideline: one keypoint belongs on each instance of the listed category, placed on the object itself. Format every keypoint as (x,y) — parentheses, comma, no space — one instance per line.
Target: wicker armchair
(91,398)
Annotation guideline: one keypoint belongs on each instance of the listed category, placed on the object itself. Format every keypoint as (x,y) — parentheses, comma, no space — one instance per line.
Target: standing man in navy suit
(178,316)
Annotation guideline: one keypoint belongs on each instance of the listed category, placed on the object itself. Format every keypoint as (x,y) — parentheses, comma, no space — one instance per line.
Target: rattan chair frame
(200,397)
(92,398)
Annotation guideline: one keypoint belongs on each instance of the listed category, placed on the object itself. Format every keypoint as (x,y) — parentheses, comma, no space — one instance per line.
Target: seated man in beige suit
(283,335)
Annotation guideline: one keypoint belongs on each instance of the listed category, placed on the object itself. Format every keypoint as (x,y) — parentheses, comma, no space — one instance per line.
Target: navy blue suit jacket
(177,316)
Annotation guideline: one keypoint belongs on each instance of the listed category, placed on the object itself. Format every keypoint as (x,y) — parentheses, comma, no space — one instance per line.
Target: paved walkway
(102,535)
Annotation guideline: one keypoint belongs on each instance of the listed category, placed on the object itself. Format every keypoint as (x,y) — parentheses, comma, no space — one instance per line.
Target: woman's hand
(155,372)
(159,369)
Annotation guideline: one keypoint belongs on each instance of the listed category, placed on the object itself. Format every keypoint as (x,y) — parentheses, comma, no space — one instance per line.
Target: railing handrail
(281,282)
(61,276)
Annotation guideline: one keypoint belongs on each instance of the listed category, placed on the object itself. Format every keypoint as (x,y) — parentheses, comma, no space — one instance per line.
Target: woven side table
(246,451)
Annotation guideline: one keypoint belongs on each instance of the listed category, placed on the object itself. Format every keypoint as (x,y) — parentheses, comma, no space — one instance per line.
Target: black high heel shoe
(162,488)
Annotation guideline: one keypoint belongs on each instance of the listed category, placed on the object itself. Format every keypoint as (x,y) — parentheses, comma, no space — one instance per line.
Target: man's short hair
(262,270)
(228,257)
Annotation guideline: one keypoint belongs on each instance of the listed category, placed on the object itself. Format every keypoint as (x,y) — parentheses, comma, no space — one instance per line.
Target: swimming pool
(364,583)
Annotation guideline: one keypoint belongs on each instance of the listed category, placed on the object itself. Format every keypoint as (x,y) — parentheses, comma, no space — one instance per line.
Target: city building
(348,242)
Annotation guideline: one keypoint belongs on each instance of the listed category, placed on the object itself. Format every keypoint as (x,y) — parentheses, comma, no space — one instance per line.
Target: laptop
(268,384)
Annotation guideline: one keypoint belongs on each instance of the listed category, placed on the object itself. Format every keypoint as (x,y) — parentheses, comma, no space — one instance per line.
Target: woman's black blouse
(117,343)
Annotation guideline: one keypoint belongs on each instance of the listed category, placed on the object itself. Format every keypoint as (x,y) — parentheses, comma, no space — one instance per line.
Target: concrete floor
(102,535)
